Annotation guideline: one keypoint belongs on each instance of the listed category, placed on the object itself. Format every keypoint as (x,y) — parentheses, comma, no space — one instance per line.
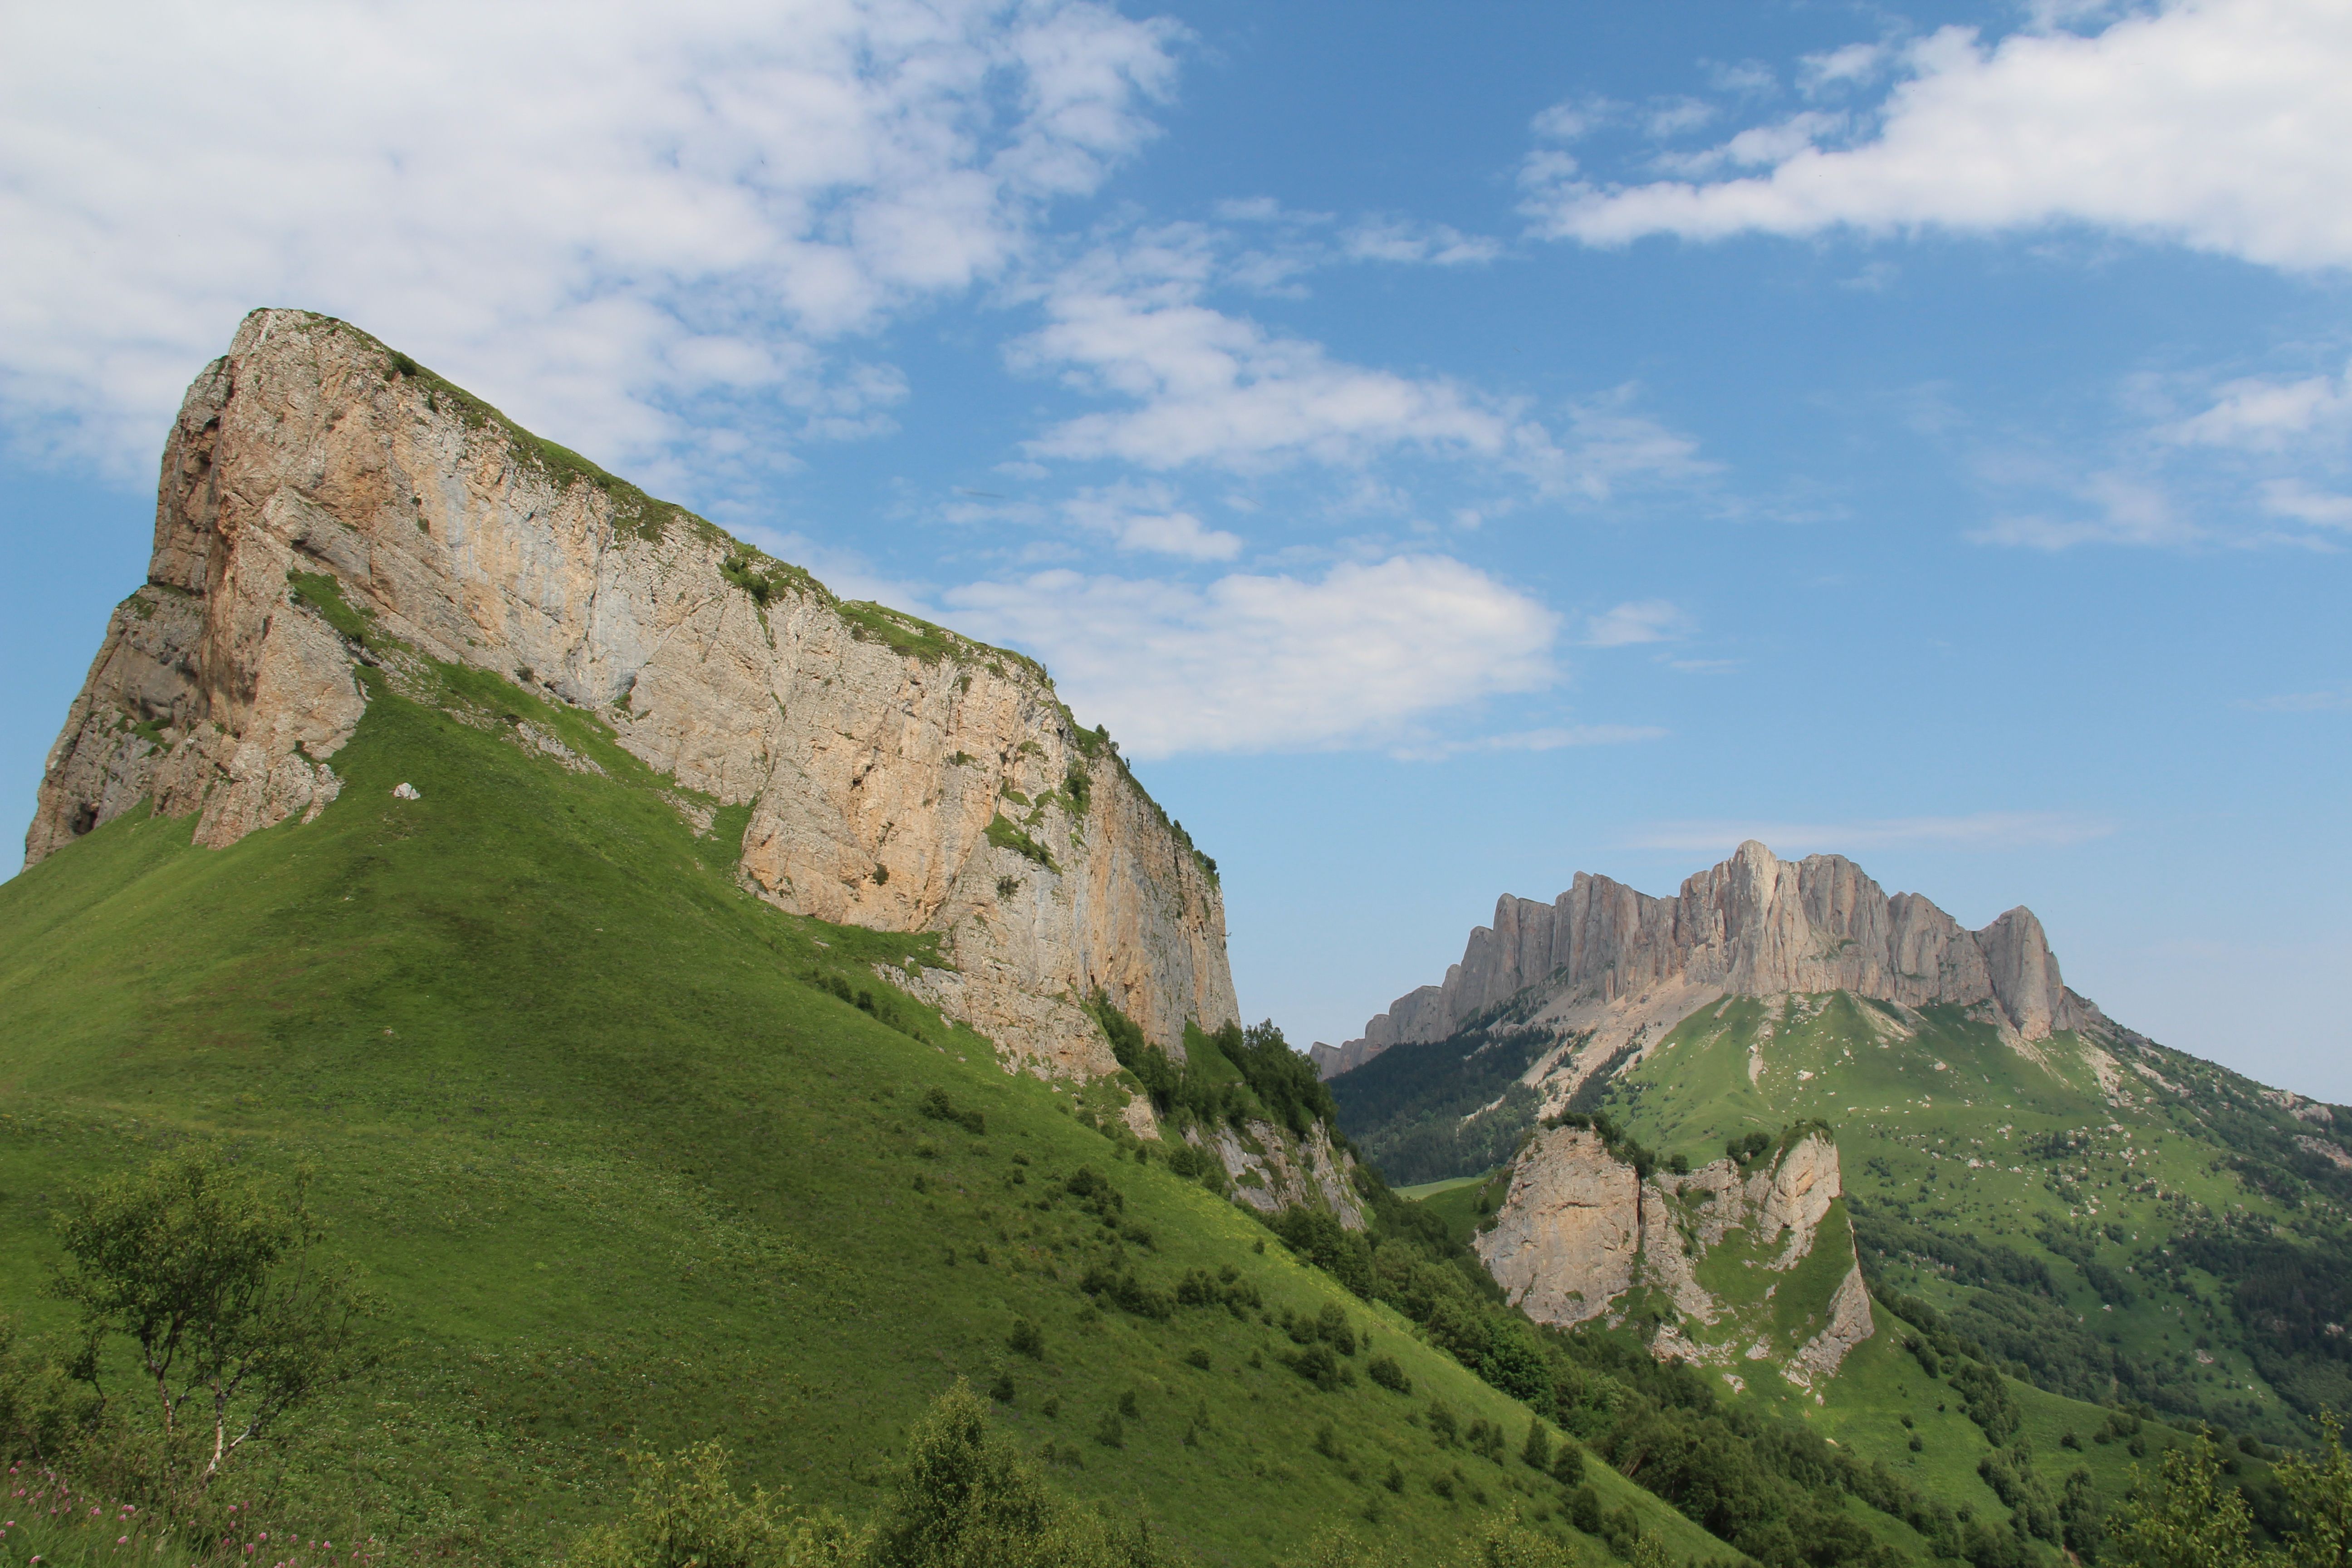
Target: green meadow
(622,1167)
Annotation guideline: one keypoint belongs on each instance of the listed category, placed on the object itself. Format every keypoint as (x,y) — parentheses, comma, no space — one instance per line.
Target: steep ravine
(324,502)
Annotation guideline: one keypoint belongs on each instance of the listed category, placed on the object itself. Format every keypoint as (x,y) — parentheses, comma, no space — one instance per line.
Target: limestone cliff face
(1578,1229)
(1564,1243)
(1753,926)
(900,777)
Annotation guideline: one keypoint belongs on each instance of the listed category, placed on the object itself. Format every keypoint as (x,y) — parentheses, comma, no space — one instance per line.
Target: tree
(966,1500)
(215,1277)
(2190,1520)
(684,1512)
(2321,1492)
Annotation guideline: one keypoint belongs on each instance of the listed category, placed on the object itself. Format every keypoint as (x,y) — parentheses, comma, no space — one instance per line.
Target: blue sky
(1451,448)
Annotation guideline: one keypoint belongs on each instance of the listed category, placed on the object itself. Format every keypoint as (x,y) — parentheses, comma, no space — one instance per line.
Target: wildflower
(120,1539)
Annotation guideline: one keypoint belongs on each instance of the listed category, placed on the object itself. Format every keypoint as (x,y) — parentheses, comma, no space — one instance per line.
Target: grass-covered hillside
(2080,1249)
(2130,1225)
(627,1157)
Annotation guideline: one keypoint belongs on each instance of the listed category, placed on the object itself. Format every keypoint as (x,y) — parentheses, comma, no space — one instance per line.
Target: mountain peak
(1605,956)
(335,519)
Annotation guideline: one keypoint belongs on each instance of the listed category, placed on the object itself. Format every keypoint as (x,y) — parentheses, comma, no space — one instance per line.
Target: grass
(621,1173)
(1005,834)
(1943,1126)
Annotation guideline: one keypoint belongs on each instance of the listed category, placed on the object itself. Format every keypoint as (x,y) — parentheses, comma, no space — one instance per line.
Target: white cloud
(1674,116)
(1400,239)
(2122,510)
(1840,68)
(1146,517)
(1981,830)
(620,223)
(2294,498)
(1205,386)
(2220,124)
(2266,414)
(1212,387)
(1257,663)
(1641,621)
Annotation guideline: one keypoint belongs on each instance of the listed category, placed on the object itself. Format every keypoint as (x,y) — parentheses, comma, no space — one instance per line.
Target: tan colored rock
(873,770)
(1578,1230)
(1752,926)
(1564,1242)
(1818,1359)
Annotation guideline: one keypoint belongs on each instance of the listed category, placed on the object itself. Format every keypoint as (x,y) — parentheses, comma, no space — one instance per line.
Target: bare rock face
(1819,1358)
(1753,926)
(1564,1243)
(1578,1229)
(1272,1170)
(877,753)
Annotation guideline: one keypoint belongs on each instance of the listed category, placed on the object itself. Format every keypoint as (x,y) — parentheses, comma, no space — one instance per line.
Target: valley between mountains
(699,1008)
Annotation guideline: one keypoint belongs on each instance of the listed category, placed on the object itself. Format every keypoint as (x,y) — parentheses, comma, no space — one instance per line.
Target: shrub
(1440,1423)
(1001,1390)
(1538,1451)
(1384,1371)
(1568,1464)
(1319,1366)
(940,1107)
(1584,1509)
(1027,1340)
(685,1514)
(1197,1357)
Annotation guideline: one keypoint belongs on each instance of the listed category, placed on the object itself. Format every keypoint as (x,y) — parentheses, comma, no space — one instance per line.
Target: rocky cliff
(1603,957)
(1579,1230)
(325,502)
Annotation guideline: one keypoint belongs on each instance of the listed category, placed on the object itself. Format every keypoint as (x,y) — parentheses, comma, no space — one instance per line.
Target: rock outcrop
(1578,1229)
(1564,1243)
(899,776)
(1753,926)
(1272,1170)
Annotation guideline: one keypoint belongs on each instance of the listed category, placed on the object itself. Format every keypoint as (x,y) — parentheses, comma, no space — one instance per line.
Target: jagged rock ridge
(1631,966)
(899,777)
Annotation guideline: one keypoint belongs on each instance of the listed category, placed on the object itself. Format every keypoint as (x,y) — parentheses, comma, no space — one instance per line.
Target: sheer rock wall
(873,772)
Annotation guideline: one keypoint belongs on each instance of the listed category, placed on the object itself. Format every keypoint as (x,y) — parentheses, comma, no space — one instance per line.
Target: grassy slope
(614,1168)
(1911,1115)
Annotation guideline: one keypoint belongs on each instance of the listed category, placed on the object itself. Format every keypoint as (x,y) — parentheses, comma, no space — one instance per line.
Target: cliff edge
(325,502)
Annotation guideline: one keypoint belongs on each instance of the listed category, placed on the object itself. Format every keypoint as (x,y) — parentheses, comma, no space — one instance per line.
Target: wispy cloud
(2112,509)
(2263,414)
(1147,517)
(1557,738)
(1252,662)
(1639,621)
(1981,830)
(2302,702)
(1195,384)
